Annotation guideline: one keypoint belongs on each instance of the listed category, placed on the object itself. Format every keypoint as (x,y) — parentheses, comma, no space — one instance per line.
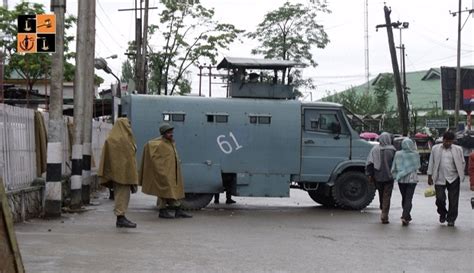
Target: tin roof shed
(250,63)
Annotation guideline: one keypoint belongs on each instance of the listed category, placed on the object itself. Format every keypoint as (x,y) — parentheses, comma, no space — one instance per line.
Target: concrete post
(53,189)
(88,105)
(79,91)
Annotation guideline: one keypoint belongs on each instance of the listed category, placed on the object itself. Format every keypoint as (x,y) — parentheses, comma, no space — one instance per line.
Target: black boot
(123,222)
(228,197)
(181,214)
(230,201)
(216,198)
(164,213)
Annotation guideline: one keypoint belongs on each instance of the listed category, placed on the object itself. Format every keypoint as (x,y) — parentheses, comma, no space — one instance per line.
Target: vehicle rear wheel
(196,201)
(323,196)
(352,190)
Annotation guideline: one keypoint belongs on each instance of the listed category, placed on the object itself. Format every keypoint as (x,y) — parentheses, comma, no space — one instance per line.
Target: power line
(108,18)
(103,43)
(110,35)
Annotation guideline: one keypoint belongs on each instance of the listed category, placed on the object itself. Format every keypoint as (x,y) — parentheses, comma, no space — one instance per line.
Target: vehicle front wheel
(323,196)
(352,190)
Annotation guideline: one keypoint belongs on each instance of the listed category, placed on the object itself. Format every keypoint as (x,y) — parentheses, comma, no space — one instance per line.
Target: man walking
(160,174)
(446,170)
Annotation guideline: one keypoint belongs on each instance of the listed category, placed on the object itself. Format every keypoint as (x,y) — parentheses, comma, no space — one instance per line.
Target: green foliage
(190,35)
(361,104)
(128,71)
(366,103)
(382,90)
(30,67)
(290,33)
(184,86)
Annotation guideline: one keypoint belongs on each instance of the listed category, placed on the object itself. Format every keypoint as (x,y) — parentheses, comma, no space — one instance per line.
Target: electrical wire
(110,35)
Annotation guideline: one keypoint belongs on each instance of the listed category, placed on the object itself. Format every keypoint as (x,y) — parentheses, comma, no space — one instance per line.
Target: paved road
(255,235)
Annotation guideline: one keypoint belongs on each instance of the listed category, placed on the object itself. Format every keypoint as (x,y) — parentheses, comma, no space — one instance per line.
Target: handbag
(430,192)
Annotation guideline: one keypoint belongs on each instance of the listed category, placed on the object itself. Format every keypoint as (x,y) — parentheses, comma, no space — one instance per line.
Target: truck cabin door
(325,143)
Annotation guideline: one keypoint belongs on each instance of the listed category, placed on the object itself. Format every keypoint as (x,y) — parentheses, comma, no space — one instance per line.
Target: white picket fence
(17,145)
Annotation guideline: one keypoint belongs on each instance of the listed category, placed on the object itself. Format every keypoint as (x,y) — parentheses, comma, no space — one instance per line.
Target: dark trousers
(228,196)
(385,195)
(228,191)
(407,190)
(453,197)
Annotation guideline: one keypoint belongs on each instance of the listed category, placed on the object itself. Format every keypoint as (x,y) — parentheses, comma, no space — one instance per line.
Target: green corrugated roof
(425,89)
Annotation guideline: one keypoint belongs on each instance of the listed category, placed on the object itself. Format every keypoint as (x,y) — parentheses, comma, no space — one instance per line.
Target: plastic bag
(430,192)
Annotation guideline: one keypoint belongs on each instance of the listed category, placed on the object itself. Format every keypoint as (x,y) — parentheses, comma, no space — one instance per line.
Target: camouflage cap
(165,127)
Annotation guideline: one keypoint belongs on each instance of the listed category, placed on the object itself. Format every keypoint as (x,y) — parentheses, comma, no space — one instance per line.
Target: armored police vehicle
(260,140)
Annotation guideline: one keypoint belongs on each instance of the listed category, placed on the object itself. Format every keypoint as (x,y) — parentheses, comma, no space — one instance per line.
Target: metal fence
(17,145)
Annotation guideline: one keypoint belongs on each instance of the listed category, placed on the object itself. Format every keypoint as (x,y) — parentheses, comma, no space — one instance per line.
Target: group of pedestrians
(160,171)
(385,166)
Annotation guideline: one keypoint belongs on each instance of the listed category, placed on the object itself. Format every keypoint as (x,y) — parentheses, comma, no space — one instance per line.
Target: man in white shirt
(446,170)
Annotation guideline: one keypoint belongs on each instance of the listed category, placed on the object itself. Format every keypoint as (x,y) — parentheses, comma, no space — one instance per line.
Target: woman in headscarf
(378,169)
(405,165)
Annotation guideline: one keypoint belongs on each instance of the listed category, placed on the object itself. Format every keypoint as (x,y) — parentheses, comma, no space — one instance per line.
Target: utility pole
(402,26)
(2,62)
(402,110)
(1,74)
(210,77)
(200,78)
(138,47)
(53,190)
(404,80)
(366,41)
(458,71)
(79,91)
(144,61)
(88,104)
(458,63)
(141,39)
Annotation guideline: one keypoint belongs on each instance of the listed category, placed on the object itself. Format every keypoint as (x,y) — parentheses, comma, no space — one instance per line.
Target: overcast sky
(430,40)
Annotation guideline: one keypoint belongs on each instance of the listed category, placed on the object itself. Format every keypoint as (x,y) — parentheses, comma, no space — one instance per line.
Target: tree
(30,67)
(358,103)
(189,34)
(382,90)
(128,71)
(290,33)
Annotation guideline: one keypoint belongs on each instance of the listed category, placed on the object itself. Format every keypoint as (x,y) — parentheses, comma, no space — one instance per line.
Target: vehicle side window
(179,117)
(327,121)
(311,120)
(322,120)
(217,118)
(260,119)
